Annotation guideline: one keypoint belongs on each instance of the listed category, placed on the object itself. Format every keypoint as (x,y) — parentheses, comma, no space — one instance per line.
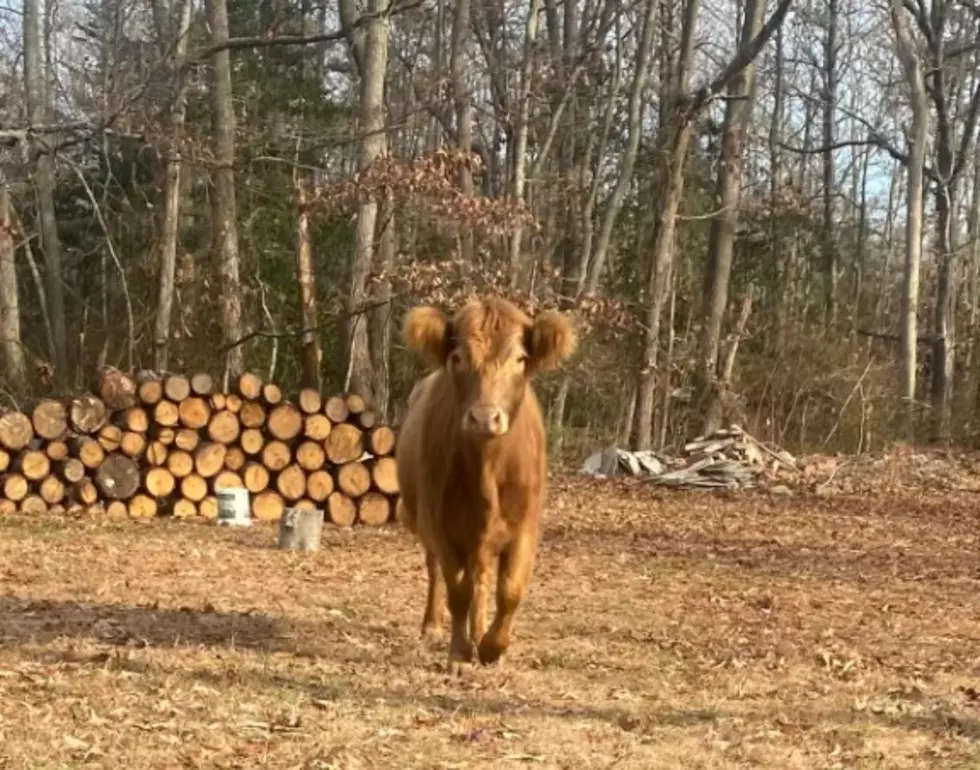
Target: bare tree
(370,52)
(721,243)
(683,109)
(38,98)
(15,368)
(224,208)
(912,67)
(172,185)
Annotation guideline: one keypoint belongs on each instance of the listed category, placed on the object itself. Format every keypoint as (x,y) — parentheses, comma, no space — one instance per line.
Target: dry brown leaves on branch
(430,183)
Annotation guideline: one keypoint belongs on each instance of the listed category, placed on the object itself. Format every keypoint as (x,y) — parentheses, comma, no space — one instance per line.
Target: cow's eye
(522,359)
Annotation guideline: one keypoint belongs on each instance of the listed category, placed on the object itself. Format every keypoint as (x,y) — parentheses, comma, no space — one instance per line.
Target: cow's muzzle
(486,421)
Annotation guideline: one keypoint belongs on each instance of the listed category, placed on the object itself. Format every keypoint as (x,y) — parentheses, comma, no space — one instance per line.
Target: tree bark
(829,239)
(172,187)
(372,146)
(224,208)
(39,110)
(15,367)
(721,241)
(463,107)
(306,279)
(912,68)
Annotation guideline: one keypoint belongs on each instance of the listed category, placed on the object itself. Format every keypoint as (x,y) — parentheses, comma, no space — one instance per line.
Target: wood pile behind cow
(149,445)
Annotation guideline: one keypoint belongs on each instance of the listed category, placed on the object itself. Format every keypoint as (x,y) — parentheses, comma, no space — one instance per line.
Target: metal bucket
(234,509)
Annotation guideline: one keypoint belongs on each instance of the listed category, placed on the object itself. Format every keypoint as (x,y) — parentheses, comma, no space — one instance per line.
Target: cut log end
(373,509)
(267,506)
(353,479)
(16,431)
(345,444)
(250,386)
(116,389)
(87,414)
(341,509)
(384,474)
(285,422)
(118,477)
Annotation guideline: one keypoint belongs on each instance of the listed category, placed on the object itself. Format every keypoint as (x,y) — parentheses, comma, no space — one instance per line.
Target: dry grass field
(662,630)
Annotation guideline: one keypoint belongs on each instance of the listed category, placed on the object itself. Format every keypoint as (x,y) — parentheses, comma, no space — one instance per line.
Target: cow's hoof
(431,634)
(490,649)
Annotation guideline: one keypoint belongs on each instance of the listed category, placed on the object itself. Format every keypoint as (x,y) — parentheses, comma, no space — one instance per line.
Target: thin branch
(131,337)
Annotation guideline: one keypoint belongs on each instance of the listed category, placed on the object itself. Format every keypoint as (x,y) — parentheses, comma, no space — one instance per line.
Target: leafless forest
(759,212)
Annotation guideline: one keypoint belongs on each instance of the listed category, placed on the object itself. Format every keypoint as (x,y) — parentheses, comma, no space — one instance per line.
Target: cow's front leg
(480,570)
(514,571)
(435,602)
(459,591)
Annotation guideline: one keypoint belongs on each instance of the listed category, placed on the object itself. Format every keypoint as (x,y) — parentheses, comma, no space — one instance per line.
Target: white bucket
(233,507)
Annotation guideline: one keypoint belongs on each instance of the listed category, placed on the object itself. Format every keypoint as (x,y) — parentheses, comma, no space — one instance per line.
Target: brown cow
(472,461)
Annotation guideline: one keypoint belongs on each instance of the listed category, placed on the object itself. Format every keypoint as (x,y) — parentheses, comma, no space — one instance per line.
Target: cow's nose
(489,420)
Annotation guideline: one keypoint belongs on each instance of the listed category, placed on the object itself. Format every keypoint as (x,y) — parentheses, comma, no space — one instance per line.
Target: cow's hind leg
(435,602)
(514,571)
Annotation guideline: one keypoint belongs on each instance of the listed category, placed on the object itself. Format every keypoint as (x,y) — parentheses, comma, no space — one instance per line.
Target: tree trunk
(371,147)
(15,367)
(829,171)
(517,266)
(913,224)
(380,315)
(38,97)
(306,279)
(463,106)
(628,160)
(172,187)
(721,242)
(224,209)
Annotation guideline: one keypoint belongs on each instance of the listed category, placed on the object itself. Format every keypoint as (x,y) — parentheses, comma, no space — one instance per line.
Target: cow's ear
(550,340)
(428,333)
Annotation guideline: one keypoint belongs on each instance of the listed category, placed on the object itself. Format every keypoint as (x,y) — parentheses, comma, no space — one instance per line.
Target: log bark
(116,389)
(118,478)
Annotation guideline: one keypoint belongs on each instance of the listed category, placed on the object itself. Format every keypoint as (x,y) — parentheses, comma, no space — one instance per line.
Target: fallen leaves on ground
(662,629)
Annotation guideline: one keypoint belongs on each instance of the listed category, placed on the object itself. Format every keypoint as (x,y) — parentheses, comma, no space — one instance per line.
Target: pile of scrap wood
(728,458)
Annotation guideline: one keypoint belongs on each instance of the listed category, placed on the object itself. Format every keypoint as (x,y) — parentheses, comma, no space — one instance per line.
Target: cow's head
(490,349)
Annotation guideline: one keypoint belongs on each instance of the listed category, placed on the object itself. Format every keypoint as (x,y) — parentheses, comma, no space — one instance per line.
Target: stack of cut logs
(152,444)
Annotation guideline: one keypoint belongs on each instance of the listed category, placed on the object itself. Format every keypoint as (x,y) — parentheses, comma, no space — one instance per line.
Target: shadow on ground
(25,621)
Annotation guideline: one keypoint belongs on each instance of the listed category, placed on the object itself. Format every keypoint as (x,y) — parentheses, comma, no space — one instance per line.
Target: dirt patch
(662,629)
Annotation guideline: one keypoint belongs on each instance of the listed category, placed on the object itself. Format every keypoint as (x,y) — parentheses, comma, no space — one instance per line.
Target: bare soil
(662,630)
